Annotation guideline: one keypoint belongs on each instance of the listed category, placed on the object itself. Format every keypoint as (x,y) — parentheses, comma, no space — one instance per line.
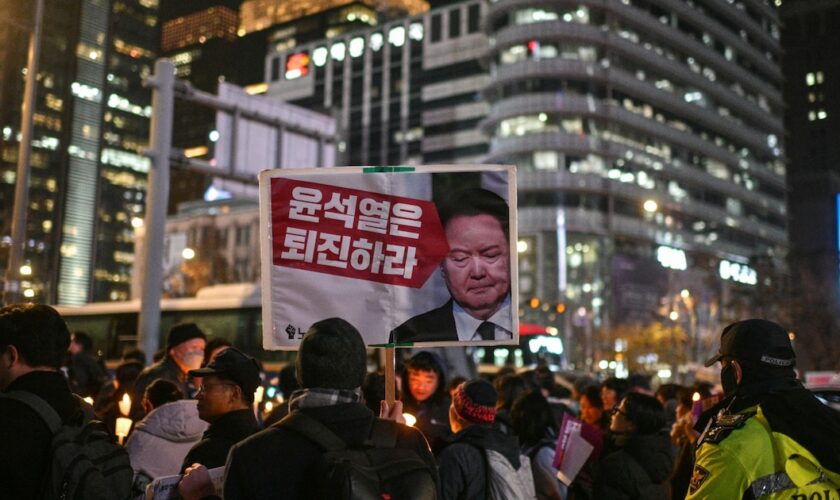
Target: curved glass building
(648,135)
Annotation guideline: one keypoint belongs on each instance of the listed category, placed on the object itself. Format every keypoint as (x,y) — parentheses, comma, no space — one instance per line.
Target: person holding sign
(476,271)
(284,461)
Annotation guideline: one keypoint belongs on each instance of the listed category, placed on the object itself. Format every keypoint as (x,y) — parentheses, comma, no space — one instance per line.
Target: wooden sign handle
(390,376)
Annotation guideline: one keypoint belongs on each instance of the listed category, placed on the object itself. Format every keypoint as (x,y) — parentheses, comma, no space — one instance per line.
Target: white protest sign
(408,255)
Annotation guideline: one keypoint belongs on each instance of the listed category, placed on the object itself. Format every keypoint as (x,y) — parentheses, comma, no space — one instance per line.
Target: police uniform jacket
(783,444)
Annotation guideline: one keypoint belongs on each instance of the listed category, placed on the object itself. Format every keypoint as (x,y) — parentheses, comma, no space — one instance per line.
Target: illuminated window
(297,65)
(356,47)
(415,31)
(337,51)
(319,56)
(86,92)
(376,41)
(396,36)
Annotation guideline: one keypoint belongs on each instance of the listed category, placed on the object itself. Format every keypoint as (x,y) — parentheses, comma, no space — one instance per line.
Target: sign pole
(390,376)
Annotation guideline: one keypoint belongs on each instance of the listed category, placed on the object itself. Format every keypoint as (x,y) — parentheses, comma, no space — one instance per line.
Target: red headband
(470,410)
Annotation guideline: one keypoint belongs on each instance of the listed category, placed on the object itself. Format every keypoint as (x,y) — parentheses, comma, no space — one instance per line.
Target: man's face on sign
(477,268)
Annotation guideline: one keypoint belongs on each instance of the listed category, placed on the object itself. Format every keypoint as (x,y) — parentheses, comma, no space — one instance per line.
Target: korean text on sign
(353,233)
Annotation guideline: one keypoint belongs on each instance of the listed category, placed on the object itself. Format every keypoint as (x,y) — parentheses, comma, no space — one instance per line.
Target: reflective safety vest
(739,456)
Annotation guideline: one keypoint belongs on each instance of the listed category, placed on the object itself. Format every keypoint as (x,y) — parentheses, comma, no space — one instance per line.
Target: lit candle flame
(695,397)
(269,406)
(89,400)
(125,404)
(410,419)
(258,394)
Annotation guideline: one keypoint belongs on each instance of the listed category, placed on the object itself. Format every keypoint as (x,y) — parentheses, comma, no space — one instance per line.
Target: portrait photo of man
(477,273)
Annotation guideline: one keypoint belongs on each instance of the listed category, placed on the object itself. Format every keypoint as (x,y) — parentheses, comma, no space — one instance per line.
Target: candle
(89,400)
(258,394)
(410,419)
(123,426)
(125,404)
(268,407)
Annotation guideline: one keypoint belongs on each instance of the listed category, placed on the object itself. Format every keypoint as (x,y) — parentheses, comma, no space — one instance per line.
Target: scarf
(316,398)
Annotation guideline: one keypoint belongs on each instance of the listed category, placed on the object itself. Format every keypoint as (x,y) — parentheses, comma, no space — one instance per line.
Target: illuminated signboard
(297,65)
(735,271)
(671,258)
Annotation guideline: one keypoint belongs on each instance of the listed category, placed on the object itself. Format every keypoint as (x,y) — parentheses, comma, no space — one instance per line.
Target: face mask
(729,379)
(192,360)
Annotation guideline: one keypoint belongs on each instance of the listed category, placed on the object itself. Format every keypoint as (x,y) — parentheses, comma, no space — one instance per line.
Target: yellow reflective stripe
(771,483)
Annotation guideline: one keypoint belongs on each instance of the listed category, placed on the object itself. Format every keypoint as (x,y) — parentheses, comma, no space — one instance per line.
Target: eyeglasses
(204,388)
(617,409)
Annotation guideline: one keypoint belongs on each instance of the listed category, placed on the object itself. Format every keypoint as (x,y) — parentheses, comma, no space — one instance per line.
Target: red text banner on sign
(355,233)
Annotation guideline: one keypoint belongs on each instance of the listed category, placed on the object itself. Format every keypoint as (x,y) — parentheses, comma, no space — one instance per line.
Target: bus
(231,311)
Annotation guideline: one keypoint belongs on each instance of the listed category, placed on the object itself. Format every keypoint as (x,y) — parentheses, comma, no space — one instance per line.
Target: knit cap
(183,332)
(475,401)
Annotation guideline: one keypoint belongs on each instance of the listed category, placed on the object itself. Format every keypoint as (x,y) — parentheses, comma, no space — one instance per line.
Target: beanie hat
(475,401)
(183,332)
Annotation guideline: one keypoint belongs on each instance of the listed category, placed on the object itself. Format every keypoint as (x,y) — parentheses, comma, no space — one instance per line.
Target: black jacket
(86,374)
(431,326)
(226,431)
(462,466)
(638,468)
(276,463)
(166,369)
(24,436)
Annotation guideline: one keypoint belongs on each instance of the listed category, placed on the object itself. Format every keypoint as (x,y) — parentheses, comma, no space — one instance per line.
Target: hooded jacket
(638,468)
(433,413)
(461,464)
(161,440)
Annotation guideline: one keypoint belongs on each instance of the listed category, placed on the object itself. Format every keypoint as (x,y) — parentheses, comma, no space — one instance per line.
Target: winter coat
(161,440)
(25,439)
(276,463)
(546,484)
(166,369)
(226,431)
(638,468)
(461,464)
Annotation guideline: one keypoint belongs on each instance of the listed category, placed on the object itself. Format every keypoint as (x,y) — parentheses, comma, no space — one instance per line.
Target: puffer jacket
(638,469)
(161,440)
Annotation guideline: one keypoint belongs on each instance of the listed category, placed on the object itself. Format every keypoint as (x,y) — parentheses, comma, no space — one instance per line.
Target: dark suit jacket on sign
(432,326)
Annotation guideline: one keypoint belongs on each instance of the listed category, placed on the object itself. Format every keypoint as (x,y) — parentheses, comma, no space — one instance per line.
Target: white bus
(229,311)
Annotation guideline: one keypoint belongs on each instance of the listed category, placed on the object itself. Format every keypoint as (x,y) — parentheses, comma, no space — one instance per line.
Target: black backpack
(86,464)
(377,470)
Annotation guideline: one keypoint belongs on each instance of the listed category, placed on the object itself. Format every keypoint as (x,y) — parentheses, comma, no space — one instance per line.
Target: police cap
(756,340)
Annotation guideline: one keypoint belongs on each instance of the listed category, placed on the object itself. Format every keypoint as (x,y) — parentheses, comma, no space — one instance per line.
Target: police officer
(770,437)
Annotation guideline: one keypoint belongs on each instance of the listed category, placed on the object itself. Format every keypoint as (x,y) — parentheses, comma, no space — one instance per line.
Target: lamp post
(12,292)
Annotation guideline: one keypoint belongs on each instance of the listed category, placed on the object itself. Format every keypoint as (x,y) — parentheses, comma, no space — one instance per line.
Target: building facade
(811,41)
(88,171)
(647,135)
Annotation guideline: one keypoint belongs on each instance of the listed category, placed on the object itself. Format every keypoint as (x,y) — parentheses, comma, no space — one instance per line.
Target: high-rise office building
(647,133)
(88,171)
(811,41)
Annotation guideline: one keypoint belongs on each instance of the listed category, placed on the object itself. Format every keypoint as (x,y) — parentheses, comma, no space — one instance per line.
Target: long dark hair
(532,418)
(645,412)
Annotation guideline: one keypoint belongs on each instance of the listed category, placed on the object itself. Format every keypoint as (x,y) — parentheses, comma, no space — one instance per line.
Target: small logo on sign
(291,331)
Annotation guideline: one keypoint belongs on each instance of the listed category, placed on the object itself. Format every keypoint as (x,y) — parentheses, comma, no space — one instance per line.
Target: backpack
(86,464)
(506,483)
(374,470)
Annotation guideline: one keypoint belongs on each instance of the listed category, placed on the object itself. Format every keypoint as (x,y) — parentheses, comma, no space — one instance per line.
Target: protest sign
(166,488)
(408,255)
(577,443)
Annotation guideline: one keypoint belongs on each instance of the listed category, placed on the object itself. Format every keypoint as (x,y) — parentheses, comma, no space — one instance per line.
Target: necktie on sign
(487,331)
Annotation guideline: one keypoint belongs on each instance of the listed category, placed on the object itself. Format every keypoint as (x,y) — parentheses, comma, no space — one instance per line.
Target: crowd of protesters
(193,410)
